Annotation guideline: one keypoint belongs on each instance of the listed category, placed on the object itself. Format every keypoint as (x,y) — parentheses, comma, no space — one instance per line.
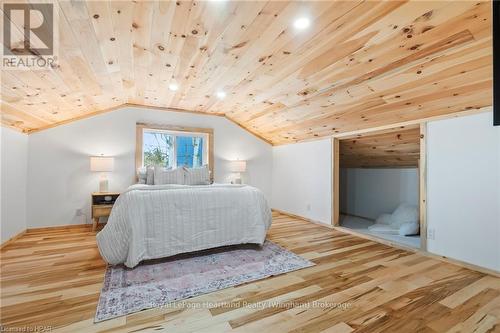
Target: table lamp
(238,167)
(102,164)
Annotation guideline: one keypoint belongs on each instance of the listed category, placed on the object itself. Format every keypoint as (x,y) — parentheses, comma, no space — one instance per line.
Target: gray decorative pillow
(150,175)
(168,176)
(197,176)
(141,175)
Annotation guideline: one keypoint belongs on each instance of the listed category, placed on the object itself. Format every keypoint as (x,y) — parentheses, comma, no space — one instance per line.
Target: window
(157,148)
(173,149)
(173,146)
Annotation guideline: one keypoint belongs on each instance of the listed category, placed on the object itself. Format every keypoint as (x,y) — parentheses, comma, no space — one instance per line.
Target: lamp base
(103,185)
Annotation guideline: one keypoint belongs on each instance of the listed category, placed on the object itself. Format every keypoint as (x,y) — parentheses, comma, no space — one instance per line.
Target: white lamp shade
(102,163)
(238,166)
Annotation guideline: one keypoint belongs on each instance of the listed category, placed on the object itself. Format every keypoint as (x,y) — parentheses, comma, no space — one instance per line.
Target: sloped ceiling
(391,149)
(360,64)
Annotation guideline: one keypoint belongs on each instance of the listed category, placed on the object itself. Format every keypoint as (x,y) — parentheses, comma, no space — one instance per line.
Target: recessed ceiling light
(221,94)
(302,23)
(173,86)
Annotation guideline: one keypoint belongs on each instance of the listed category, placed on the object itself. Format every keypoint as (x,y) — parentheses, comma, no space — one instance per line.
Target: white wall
(58,167)
(13,183)
(463,189)
(371,192)
(302,179)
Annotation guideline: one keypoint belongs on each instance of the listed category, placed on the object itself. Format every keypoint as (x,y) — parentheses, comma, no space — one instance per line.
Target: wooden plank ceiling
(394,149)
(360,64)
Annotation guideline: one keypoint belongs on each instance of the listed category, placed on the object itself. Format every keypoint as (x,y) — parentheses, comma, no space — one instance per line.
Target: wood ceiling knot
(360,64)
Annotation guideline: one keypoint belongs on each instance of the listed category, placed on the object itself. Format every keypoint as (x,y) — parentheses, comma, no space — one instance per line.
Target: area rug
(160,282)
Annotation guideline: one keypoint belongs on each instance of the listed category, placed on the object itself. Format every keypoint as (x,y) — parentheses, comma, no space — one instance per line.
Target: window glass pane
(189,151)
(158,149)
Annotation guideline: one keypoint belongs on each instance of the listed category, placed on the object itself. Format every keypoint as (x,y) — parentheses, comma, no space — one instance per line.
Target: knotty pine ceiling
(394,149)
(360,64)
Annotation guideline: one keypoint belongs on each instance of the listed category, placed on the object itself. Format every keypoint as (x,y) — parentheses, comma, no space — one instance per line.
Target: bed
(156,221)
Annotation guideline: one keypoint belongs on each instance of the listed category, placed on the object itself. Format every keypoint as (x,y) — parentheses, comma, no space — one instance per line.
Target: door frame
(422,172)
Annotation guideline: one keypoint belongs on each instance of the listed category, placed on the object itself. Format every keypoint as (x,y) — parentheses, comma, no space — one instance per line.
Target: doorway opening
(379,184)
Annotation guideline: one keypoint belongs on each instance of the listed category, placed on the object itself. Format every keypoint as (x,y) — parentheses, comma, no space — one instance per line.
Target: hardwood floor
(52,278)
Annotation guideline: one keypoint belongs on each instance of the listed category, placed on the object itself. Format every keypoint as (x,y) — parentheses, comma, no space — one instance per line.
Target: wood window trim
(140,127)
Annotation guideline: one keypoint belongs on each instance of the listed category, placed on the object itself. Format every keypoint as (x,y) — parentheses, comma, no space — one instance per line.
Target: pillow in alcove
(384,219)
(384,229)
(405,213)
(408,229)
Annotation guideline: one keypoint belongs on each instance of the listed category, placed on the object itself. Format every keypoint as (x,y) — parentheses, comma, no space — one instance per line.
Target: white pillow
(168,176)
(197,176)
(383,228)
(384,219)
(405,213)
(408,229)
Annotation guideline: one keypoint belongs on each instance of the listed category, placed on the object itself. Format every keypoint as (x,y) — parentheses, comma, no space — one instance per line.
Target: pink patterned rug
(159,282)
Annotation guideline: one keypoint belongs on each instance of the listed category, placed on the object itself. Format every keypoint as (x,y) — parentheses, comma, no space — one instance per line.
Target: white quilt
(149,222)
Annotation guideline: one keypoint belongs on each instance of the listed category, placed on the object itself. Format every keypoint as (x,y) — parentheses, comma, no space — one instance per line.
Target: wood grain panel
(361,64)
(392,148)
(53,278)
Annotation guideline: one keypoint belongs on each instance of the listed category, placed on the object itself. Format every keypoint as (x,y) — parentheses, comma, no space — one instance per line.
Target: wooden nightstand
(102,202)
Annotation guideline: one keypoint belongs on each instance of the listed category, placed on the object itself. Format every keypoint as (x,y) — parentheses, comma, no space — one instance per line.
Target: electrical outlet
(308,207)
(431,234)
(79,212)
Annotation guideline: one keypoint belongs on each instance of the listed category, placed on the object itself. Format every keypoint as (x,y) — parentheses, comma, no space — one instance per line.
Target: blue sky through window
(189,151)
(159,149)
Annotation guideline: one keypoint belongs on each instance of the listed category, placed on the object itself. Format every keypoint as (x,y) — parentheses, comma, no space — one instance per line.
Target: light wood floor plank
(52,277)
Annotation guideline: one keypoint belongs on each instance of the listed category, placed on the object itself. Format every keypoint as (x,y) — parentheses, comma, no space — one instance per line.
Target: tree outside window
(170,150)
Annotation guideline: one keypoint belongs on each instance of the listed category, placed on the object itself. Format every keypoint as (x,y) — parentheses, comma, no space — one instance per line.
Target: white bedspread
(149,222)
